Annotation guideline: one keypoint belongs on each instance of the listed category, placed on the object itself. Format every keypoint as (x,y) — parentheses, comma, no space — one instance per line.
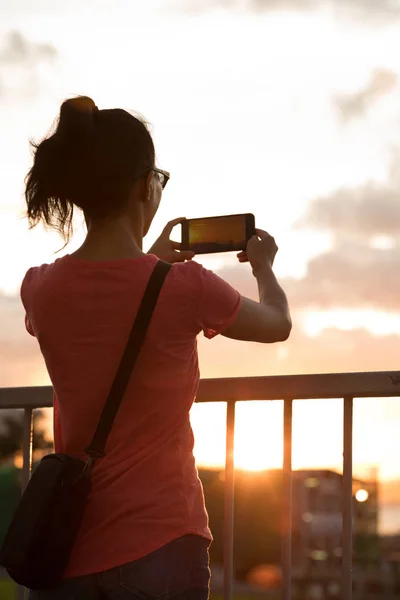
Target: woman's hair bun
(77,117)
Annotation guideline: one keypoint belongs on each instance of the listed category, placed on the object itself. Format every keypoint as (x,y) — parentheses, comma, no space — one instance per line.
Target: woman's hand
(166,249)
(261,250)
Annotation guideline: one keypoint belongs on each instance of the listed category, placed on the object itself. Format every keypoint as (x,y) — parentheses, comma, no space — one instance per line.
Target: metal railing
(287,388)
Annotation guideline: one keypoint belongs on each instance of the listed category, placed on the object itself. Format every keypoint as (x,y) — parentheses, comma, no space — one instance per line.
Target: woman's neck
(112,240)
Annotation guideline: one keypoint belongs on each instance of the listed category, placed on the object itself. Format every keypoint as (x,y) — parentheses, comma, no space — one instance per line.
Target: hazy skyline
(289,110)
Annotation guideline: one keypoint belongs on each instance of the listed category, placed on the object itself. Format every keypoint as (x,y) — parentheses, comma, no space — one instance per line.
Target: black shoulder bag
(42,532)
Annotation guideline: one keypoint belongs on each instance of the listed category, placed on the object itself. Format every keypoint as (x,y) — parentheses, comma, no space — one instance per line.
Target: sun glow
(362,495)
(317,435)
(259,434)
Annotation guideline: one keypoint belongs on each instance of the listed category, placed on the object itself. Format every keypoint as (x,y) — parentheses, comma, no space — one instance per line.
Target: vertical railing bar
(26,466)
(229,501)
(27,447)
(347,500)
(22,593)
(287,499)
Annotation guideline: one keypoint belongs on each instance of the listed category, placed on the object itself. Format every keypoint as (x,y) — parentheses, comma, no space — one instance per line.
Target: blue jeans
(179,570)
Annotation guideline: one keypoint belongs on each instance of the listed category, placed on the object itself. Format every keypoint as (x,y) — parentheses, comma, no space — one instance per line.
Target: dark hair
(90,162)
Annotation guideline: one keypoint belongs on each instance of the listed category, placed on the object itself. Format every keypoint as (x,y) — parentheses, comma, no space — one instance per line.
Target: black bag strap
(97,446)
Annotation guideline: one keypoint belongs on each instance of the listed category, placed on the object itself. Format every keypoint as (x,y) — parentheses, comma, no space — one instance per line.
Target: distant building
(391,556)
(316,519)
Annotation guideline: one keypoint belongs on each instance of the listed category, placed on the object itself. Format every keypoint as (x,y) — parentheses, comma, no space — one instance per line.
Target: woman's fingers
(183,255)
(171,224)
(262,234)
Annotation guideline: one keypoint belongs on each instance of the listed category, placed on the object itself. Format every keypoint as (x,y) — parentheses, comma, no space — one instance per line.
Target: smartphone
(217,234)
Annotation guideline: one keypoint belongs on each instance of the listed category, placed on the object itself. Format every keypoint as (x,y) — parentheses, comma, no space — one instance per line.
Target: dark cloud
(350,106)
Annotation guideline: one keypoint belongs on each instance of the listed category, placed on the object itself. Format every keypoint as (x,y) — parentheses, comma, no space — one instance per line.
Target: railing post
(229,501)
(22,593)
(287,500)
(26,466)
(347,500)
(27,447)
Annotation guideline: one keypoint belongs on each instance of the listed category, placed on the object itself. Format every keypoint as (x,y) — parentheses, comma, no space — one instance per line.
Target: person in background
(145,532)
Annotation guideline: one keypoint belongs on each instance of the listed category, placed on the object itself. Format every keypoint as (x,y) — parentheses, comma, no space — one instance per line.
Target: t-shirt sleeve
(25,297)
(219,304)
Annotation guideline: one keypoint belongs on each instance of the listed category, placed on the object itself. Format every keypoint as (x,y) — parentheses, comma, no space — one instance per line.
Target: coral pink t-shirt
(146,491)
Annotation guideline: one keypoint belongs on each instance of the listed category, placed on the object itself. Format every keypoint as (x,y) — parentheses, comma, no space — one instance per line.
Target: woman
(145,533)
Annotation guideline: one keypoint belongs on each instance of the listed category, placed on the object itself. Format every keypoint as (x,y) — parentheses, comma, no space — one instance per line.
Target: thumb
(171,224)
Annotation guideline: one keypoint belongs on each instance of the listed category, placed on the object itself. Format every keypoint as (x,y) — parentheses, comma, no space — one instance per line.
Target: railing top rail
(301,387)
(40,396)
(318,386)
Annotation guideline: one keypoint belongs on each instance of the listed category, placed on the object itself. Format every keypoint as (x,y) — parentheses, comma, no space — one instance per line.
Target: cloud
(360,270)
(18,50)
(390,6)
(352,276)
(366,211)
(376,10)
(20,64)
(350,106)
(257,5)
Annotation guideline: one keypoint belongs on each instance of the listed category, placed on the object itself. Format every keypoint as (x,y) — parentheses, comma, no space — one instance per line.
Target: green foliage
(366,548)
(12,432)
(10,492)
(8,590)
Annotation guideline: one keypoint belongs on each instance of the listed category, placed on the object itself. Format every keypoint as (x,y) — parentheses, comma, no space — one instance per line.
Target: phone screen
(217,234)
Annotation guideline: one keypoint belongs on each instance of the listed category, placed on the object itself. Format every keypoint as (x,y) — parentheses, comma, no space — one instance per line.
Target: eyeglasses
(162,175)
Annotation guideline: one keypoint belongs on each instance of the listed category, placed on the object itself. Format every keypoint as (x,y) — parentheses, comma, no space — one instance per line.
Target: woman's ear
(149,187)
(142,189)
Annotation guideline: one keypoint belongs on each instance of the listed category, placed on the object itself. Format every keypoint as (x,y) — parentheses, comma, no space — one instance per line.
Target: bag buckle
(94,453)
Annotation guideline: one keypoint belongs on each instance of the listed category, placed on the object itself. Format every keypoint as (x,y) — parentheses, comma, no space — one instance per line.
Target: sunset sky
(289,109)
